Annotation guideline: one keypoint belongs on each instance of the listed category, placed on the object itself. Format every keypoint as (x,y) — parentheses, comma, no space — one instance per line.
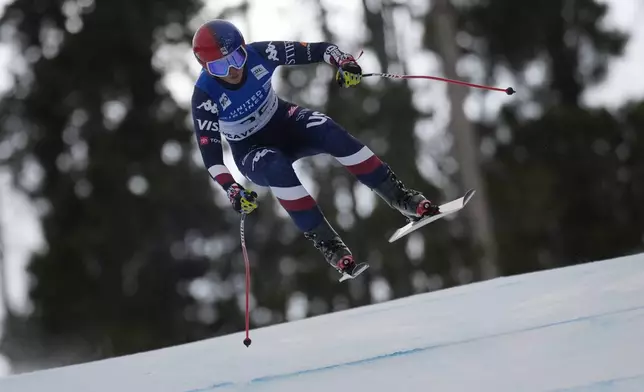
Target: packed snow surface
(579,328)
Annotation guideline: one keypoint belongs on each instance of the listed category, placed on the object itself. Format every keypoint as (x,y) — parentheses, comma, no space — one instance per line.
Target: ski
(357,270)
(445,209)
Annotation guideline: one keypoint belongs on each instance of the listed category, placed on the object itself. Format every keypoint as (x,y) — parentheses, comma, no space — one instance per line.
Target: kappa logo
(259,155)
(209,107)
(224,101)
(259,71)
(271,50)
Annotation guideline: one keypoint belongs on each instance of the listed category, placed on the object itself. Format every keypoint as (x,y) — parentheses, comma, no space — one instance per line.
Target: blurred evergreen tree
(131,227)
(561,175)
(140,255)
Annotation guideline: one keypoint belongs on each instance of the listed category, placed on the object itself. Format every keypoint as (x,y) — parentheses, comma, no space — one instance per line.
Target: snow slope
(573,329)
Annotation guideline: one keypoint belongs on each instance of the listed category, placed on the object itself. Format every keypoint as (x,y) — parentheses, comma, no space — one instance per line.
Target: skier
(233,97)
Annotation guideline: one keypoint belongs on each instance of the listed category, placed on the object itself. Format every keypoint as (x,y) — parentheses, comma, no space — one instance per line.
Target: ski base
(445,209)
(357,270)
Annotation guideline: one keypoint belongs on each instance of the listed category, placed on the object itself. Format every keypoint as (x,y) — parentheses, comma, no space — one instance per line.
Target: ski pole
(508,91)
(247,340)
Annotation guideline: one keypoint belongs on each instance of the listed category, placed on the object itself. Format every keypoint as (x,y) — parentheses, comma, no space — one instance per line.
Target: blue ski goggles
(220,67)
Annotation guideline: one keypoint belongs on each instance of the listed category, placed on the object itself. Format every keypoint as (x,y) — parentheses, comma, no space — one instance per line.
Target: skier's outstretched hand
(242,200)
(349,72)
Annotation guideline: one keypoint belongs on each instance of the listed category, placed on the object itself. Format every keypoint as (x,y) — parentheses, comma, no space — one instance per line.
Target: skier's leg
(270,167)
(321,132)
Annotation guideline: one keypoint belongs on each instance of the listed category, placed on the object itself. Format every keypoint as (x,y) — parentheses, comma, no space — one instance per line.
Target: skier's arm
(299,53)
(205,117)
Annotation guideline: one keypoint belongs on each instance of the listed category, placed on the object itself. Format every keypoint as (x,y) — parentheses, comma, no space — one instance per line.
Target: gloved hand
(349,72)
(243,201)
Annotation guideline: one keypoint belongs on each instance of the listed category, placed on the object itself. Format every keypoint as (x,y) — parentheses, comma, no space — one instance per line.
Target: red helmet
(219,45)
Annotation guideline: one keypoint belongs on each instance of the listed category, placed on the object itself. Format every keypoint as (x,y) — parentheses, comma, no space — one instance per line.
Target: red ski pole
(508,90)
(247,341)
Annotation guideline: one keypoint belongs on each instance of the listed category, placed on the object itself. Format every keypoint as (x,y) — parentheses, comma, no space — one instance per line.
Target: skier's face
(234,76)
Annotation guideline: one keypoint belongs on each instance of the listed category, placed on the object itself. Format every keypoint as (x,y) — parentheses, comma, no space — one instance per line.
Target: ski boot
(412,204)
(335,252)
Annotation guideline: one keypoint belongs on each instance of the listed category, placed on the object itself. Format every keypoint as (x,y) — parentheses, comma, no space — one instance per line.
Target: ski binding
(357,270)
(445,209)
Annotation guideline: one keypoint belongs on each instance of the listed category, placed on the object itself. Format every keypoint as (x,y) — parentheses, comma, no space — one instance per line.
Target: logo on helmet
(216,39)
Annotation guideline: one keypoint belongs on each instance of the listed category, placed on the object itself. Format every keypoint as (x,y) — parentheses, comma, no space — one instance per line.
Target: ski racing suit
(267,135)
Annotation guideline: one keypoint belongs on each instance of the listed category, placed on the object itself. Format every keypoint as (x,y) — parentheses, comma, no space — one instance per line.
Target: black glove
(349,72)
(241,199)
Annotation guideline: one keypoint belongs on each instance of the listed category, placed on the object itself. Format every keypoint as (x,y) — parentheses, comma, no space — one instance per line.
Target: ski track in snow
(599,384)
(571,329)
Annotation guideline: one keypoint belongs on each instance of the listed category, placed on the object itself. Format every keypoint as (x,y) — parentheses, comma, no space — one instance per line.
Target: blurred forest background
(141,249)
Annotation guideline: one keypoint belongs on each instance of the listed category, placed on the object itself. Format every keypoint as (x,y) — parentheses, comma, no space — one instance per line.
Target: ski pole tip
(510,91)
(247,342)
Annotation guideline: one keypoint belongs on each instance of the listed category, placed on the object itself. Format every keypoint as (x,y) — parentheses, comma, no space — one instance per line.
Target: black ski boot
(335,252)
(412,204)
